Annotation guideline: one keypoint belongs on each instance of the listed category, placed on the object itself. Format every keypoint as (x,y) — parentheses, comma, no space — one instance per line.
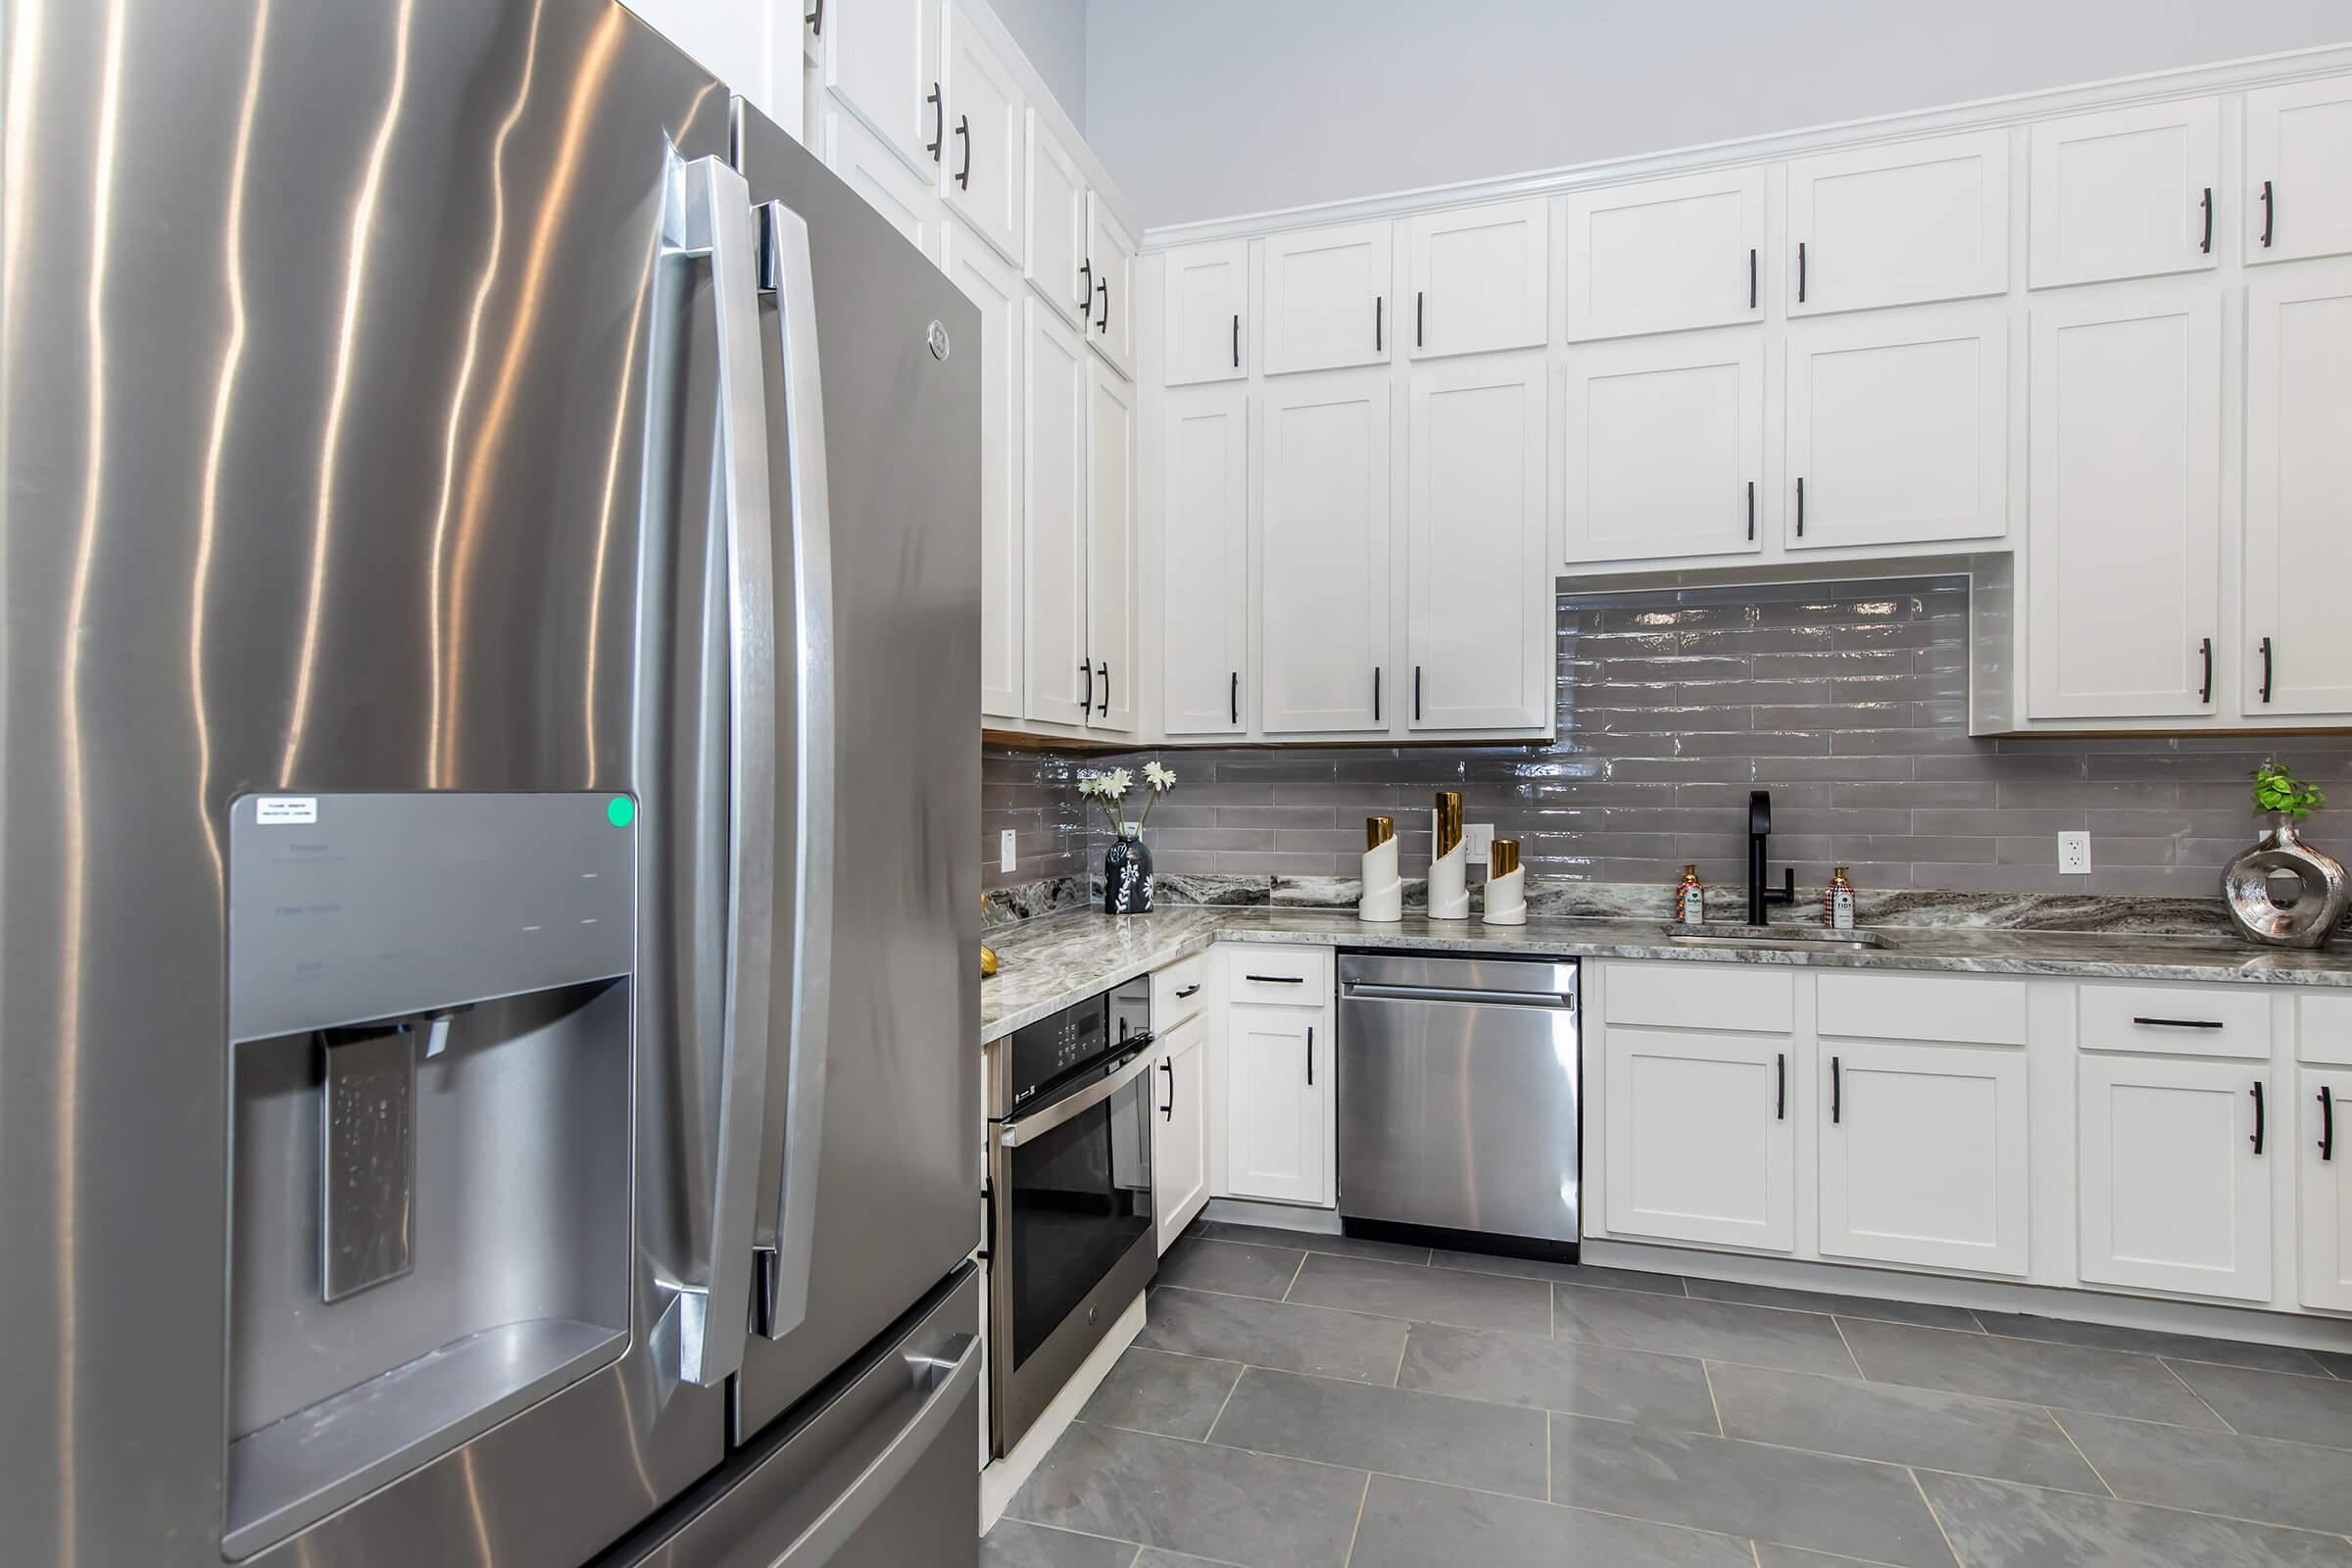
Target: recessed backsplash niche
(1847,701)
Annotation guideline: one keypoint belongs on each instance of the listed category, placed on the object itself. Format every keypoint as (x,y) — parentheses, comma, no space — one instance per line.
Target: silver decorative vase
(2313,917)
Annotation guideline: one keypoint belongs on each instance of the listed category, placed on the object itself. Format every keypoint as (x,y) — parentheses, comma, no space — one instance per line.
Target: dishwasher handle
(1378,990)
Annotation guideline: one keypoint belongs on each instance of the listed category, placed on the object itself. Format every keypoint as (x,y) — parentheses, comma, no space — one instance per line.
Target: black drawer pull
(1379,303)
(1752,277)
(1310,1055)
(2327,1123)
(1275,979)
(1191,990)
(2180,1023)
(1780,1087)
(2205,652)
(1237,697)
(1237,342)
(1837,1092)
(1751,508)
(1167,1112)
(2266,669)
(1416,694)
(939,126)
(1418,340)
(1801,506)
(2256,1092)
(2205,245)
(1375,694)
(1800,272)
(2270,210)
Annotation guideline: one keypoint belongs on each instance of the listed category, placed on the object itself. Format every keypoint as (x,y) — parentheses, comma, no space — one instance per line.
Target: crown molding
(1983,113)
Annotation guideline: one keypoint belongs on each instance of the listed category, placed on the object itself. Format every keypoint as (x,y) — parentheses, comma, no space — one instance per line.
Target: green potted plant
(2310,919)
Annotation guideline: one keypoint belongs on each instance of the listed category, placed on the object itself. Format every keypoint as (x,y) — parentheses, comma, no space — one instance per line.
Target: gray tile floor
(1300,1401)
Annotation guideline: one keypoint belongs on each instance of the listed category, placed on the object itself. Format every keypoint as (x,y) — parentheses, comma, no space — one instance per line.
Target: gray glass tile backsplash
(1847,701)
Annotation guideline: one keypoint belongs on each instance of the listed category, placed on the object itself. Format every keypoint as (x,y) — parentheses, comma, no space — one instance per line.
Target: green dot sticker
(621,810)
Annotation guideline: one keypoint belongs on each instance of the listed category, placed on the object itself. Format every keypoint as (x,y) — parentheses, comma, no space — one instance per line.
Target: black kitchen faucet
(1759,830)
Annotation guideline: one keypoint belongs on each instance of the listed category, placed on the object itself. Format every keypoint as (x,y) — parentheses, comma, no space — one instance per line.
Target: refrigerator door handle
(950,1379)
(783,1285)
(711,220)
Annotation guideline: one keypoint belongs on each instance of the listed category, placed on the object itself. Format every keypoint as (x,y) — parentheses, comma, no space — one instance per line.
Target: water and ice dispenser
(429,1062)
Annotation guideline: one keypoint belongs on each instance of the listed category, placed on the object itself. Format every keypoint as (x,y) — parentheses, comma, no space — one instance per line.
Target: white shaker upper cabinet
(2175,1194)
(1112,327)
(1898,427)
(1479,605)
(1904,224)
(980,176)
(1055,252)
(2298,195)
(1480,278)
(1110,563)
(1204,562)
(995,285)
(2298,640)
(2127,193)
(1056,664)
(2123,604)
(1207,293)
(881,58)
(888,185)
(1327,299)
(1323,557)
(1666,254)
(1665,444)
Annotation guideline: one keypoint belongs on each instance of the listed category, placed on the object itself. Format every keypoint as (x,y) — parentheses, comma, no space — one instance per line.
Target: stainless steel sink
(1785,938)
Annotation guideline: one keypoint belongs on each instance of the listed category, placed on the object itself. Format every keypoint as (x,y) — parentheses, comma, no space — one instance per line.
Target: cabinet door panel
(1697,1151)
(1666,254)
(1665,441)
(2299,144)
(1327,299)
(1479,279)
(1923,1156)
(1323,557)
(1204,562)
(2299,490)
(1479,608)
(2126,502)
(2175,1196)
(1111,547)
(980,174)
(1112,327)
(2127,193)
(1054,252)
(2324,1215)
(1898,425)
(1056,672)
(993,284)
(1277,1105)
(1179,1129)
(1900,226)
(881,59)
(888,185)
(1208,289)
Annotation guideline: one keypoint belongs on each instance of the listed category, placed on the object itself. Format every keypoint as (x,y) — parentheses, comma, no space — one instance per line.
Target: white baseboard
(1000,1481)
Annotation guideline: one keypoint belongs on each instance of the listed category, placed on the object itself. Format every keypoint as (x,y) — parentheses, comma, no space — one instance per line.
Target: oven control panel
(1049,1052)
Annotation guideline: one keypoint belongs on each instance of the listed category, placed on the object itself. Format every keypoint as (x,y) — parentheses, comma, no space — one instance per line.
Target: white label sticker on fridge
(280,810)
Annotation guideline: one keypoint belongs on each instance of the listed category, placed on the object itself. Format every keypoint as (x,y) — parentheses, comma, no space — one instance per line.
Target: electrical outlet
(1005,859)
(1478,838)
(2074,854)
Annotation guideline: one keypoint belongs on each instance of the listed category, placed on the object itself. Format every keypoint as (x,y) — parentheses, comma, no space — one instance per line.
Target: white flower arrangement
(1108,790)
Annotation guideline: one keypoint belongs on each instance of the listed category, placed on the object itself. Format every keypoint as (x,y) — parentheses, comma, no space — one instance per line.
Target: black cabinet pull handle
(2205,652)
(2266,669)
(1801,506)
(1102,293)
(2270,211)
(939,123)
(1086,704)
(1237,341)
(1086,283)
(1275,979)
(1752,277)
(1780,1087)
(1800,272)
(1379,303)
(2327,1123)
(1237,697)
(1310,1055)
(1417,337)
(963,128)
(2256,1091)
(817,19)
(1167,1112)
(1105,667)
(1375,694)
(2205,245)
(1416,694)
(2178,1023)
(1837,1092)
(1751,508)
(1191,990)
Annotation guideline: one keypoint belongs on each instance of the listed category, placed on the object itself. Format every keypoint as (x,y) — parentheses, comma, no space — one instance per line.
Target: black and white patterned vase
(1127,876)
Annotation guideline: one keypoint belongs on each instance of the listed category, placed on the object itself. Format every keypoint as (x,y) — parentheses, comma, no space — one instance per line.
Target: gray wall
(1052,34)
(1213,108)
(1847,702)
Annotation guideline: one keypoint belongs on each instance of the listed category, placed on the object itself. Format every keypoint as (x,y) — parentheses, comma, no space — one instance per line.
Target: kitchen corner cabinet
(1204,562)
(1180,1128)
(1478,615)
(993,285)
(880,57)
(1206,289)
(1665,447)
(1327,302)
(1898,224)
(1478,278)
(2126,193)
(981,168)
(2297,649)
(2176,1157)
(1666,254)
(1323,555)
(2298,179)
(1276,1105)
(1111,251)
(2123,596)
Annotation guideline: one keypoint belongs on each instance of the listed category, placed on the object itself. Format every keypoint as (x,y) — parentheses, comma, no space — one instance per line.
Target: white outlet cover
(1478,839)
(1005,855)
(2074,854)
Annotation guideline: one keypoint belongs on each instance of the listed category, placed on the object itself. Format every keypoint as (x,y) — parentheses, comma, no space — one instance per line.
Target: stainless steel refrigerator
(488,592)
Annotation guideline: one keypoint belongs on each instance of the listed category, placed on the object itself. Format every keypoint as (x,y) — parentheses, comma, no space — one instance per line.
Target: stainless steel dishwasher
(1458,1101)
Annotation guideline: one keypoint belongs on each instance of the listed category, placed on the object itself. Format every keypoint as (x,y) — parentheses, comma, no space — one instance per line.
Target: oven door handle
(1045,1121)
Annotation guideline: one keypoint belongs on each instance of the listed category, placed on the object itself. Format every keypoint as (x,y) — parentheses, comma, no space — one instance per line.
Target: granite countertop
(1046,965)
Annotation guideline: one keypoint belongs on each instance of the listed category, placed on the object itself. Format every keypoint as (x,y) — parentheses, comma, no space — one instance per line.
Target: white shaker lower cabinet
(1180,1128)
(2298,641)
(1322,569)
(1478,618)
(1924,1155)
(2122,594)
(1665,443)
(1701,1141)
(1274,1102)
(1898,427)
(1204,562)
(2174,1194)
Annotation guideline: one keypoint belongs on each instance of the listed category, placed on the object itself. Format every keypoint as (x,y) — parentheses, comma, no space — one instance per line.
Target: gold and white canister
(1507,885)
(1382,895)
(1449,873)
